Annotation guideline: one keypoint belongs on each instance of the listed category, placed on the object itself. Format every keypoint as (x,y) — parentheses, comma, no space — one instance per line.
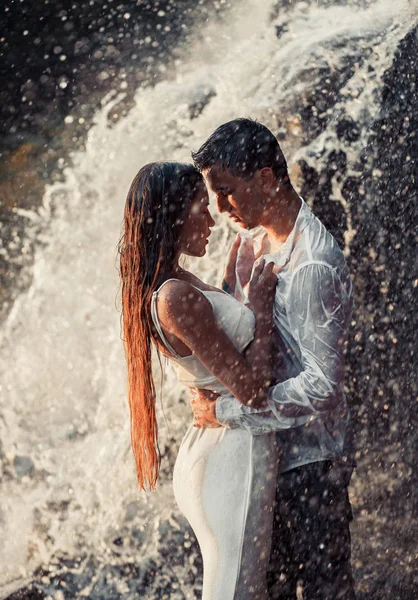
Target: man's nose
(222,203)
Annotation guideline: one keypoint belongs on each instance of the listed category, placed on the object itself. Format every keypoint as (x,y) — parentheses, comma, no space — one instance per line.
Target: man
(245,167)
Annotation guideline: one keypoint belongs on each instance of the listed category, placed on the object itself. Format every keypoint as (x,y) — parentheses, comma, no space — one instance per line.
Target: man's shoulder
(319,246)
(320,251)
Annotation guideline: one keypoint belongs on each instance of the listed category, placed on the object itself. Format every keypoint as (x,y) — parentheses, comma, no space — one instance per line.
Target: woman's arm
(187,314)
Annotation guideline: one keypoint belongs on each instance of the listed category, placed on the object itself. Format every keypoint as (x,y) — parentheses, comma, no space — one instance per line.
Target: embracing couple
(262,472)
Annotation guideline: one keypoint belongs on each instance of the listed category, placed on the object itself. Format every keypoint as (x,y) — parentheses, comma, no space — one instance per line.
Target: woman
(224,479)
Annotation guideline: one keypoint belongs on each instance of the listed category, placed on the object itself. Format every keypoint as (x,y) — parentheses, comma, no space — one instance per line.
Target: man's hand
(203,403)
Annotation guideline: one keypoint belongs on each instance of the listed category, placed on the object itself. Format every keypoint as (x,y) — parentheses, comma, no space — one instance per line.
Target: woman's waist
(233,446)
(205,437)
(203,383)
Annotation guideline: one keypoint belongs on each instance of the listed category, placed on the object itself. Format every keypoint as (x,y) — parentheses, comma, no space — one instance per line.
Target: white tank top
(237,321)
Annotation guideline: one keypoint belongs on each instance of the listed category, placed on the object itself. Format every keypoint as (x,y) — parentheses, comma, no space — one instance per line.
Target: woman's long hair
(158,202)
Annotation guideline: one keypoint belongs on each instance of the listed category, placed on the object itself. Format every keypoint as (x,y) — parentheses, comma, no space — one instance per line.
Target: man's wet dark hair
(242,147)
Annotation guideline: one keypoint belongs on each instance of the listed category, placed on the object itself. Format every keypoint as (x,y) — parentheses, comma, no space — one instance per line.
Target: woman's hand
(239,263)
(262,288)
(245,259)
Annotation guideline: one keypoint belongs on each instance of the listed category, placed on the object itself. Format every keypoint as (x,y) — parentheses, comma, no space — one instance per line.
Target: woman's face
(196,228)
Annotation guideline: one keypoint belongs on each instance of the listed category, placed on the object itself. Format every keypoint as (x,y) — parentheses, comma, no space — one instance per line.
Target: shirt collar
(305,216)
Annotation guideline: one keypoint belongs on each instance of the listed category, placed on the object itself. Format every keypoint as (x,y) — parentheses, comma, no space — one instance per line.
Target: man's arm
(318,313)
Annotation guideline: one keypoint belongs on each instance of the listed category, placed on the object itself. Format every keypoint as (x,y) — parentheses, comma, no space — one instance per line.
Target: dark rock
(381,198)
(203,98)
(315,105)
(72,50)
(347,130)
(317,187)
(336,163)
(389,226)
(111,577)
(30,592)
(281,5)
(281,29)
(23,465)
(71,574)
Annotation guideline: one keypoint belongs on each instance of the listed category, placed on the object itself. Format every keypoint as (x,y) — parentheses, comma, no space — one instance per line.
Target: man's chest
(282,295)
(285,338)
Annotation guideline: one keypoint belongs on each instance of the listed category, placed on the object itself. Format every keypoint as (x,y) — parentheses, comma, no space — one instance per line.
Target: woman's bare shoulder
(179,298)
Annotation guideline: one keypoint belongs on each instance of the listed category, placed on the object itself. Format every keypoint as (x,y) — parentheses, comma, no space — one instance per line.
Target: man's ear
(266,179)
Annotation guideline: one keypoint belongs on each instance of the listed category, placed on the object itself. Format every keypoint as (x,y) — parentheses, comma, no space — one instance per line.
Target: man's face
(242,199)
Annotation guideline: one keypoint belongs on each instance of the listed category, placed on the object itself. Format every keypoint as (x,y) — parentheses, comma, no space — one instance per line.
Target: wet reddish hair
(157,203)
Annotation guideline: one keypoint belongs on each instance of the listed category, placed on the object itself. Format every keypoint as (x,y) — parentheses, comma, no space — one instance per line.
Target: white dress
(225,479)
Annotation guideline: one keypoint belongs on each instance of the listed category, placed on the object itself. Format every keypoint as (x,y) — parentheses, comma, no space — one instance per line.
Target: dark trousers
(311,536)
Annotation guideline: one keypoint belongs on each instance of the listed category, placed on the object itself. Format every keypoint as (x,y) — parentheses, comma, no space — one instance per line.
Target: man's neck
(280,222)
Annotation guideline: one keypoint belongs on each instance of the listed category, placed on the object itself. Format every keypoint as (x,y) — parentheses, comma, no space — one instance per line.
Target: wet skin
(197,225)
(244,200)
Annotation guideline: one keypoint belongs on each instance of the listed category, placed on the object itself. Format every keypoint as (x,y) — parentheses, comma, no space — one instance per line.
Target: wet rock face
(380,188)
(77,48)
(347,130)
(318,188)
(28,593)
(391,228)
(317,107)
(367,175)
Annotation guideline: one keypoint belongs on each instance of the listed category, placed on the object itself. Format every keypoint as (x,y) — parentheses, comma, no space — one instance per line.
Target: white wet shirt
(312,313)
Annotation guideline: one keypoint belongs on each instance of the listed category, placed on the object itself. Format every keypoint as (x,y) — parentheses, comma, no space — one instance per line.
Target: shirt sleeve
(232,414)
(318,313)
